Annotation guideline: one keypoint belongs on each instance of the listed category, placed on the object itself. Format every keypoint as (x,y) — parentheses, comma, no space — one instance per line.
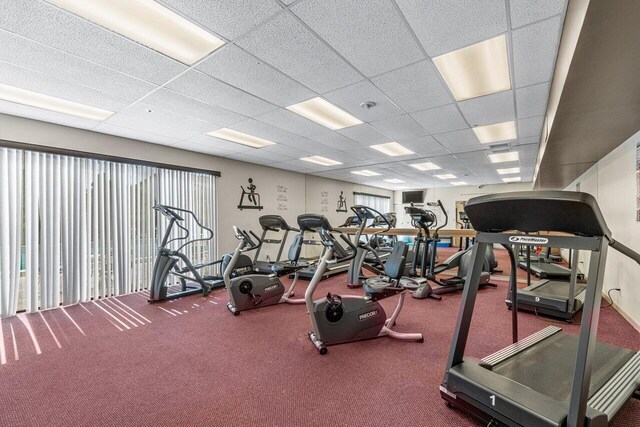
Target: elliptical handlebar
(170,212)
(446,216)
(624,250)
(244,236)
(359,210)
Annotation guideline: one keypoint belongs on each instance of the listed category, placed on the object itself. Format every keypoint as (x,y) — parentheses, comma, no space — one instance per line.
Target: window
(75,229)
(380,203)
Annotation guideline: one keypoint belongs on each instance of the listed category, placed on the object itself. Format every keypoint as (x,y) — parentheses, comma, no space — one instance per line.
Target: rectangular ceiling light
(149,23)
(394,181)
(508,171)
(509,156)
(476,70)
(241,138)
(427,166)
(324,113)
(459,183)
(392,149)
(495,133)
(51,103)
(365,173)
(514,179)
(321,161)
(446,176)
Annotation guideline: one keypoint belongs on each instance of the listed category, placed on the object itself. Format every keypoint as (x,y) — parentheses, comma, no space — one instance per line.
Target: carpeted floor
(123,362)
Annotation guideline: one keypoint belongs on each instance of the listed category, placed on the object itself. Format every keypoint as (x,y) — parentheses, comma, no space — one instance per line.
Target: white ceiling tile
(243,70)
(459,141)
(206,149)
(524,12)
(529,140)
(37,82)
(399,127)
(364,134)
(356,29)
(424,145)
(261,153)
(170,100)
(285,151)
(534,51)
(220,144)
(334,140)
(292,165)
(349,98)
(415,87)
(264,130)
(26,53)
(138,123)
(169,117)
(45,116)
(532,100)
(290,47)
(124,132)
(205,88)
(226,18)
(251,158)
(291,122)
(489,109)
(441,119)
(55,27)
(314,148)
(443,27)
(531,126)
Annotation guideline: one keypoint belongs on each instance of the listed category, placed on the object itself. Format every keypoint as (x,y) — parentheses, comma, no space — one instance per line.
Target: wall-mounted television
(413,196)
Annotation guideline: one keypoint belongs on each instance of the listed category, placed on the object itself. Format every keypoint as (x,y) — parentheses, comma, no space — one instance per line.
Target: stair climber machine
(339,319)
(550,378)
(425,255)
(355,274)
(252,291)
(173,265)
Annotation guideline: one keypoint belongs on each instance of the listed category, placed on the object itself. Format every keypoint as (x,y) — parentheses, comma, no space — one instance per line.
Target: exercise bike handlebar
(328,240)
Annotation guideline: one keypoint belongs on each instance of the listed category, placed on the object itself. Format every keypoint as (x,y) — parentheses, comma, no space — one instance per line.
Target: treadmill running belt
(556,289)
(548,366)
(547,270)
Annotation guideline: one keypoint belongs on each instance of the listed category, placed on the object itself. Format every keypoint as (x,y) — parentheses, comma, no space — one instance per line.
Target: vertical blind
(380,203)
(75,229)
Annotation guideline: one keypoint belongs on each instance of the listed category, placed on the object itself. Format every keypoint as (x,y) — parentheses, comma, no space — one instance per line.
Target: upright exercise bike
(252,291)
(339,319)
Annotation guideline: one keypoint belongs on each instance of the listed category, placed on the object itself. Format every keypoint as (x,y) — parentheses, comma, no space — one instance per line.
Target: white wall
(450,195)
(612,181)
(302,192)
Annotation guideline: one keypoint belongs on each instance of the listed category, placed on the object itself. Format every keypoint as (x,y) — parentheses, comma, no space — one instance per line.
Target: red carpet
(123,362)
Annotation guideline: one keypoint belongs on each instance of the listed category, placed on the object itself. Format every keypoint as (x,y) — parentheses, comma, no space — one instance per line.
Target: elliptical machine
(168,259)
(339,319)
(252,291)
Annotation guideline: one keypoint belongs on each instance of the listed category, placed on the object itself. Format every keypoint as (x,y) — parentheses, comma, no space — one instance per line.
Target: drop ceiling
(281,53)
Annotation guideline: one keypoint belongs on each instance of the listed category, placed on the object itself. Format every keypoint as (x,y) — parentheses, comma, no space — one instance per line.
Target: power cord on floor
(609,296)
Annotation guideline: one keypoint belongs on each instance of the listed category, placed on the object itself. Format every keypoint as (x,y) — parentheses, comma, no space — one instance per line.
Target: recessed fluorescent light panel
(241,138)
(394,181)
(514,179)
(446,176)
(51,103)
(365,173)
(148,23)
(392,149)
(508,171)
(321,161)
(476,70)
(458,183)
(510,156)
(495,133)
(324,113)
(427,166)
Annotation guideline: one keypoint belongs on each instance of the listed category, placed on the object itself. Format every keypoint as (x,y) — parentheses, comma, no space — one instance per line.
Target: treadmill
(550,378)
(556,298)
(544,267)
(272,224)
(311,223)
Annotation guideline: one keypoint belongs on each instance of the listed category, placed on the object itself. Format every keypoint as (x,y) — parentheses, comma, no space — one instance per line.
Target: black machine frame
(472,387)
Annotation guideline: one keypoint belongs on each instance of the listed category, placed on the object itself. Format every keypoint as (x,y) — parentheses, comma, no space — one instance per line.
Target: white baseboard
(623,313)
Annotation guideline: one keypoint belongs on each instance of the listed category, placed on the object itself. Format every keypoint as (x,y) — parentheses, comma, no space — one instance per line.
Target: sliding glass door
(74,229)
